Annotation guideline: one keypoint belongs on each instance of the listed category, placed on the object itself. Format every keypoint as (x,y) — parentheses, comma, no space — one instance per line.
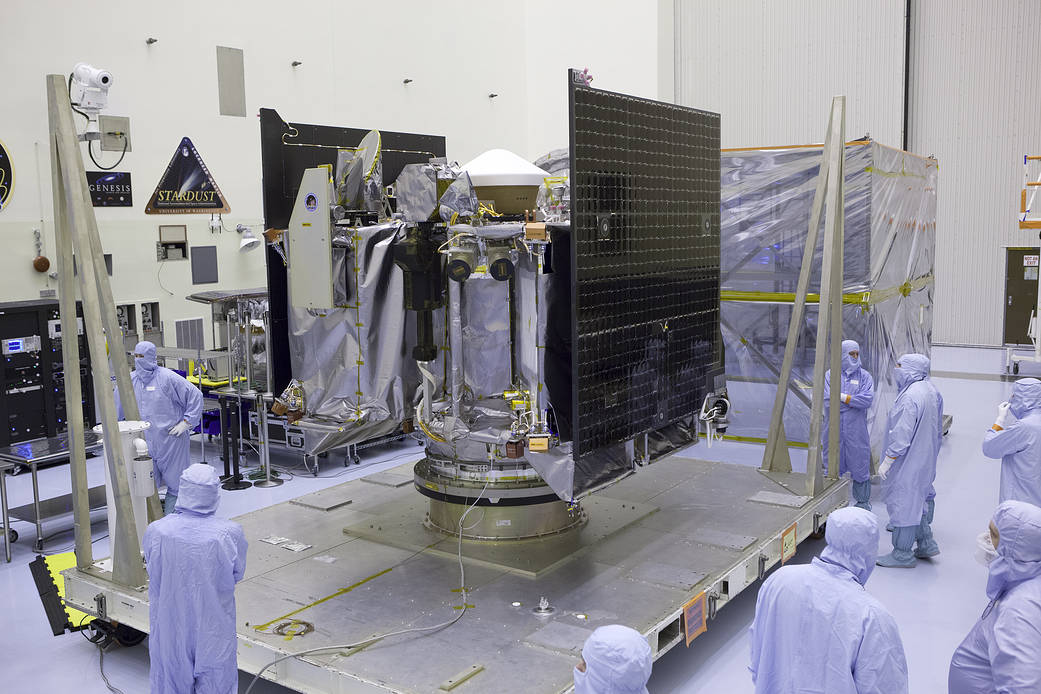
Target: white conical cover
(500,167)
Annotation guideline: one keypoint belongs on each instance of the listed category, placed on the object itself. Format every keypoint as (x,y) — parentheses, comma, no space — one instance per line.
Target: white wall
(770,69)
(616,39)
(977,108)
(355,56)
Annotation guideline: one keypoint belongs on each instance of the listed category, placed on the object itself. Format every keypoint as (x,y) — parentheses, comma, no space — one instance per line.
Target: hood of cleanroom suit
(852,536)
(146,364)
(1019,549)
(1026,397)
(849,364)
(200,490)
(913,367)
(618,661)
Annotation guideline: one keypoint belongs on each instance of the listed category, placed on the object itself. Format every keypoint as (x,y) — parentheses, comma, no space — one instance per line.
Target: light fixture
(249,239)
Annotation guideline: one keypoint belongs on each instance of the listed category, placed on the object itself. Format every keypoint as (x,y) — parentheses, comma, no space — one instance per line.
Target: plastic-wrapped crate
(890,234)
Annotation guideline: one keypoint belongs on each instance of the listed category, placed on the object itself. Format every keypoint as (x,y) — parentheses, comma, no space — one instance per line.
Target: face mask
(902,377)
(849,364)
(144,363)
(985,552)
(1016,407)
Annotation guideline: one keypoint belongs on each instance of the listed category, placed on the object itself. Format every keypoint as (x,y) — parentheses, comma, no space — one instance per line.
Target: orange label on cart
(789,543)
(695,617)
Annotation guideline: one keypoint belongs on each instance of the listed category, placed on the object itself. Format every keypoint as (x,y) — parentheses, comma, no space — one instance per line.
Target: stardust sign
(187,186)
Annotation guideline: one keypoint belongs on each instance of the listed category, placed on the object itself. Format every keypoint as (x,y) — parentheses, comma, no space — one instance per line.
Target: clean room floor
(934,604)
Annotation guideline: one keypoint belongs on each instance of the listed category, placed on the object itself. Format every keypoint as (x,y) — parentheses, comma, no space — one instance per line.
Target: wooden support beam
(127,567)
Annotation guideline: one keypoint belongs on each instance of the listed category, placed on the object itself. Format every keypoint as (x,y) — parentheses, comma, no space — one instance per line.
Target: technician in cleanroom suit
(1002,653)
(856,395)
(912,444)
(194,561)
(173,406)
(817,630)
(1018,444)
(615,660)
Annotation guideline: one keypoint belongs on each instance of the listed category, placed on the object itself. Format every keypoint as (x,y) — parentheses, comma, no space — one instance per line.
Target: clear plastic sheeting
(358,380)
(890,232)
(555,162)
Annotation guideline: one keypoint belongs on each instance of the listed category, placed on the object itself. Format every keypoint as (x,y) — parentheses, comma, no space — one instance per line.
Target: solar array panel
(644,263)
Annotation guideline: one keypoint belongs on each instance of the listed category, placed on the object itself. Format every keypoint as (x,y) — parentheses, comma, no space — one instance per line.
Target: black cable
(52,552)
(101,654)
(90,151)
(101,666)
(159,279)
(73,105)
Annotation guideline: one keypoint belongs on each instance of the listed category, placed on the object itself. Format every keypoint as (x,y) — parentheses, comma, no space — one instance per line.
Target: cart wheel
(819,535)
(356,460)
(128,636)
(1015,368)
(12,535)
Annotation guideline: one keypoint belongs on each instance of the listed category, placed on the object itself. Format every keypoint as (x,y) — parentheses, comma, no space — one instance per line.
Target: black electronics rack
(32,373)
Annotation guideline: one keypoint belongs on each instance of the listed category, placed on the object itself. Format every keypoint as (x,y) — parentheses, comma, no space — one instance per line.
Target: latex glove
(179,428)
(1002,419)
(883,469)
(845,397)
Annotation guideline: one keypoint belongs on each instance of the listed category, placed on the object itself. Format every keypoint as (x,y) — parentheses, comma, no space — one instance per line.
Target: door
(1021,276)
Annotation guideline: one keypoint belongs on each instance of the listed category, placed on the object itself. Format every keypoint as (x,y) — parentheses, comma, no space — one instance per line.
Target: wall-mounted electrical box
(126,316)
(151,326)
(109,126)
(173,242)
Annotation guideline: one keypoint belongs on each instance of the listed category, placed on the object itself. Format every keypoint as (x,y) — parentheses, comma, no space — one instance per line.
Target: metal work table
(32,454)
(654,541)
(218,296)
(188,354)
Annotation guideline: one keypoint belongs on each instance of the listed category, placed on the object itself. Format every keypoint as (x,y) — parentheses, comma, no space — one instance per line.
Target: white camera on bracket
(92,77)
(88,92)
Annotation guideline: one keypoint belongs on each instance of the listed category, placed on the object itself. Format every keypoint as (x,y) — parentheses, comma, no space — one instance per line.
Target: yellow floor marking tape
(342,591)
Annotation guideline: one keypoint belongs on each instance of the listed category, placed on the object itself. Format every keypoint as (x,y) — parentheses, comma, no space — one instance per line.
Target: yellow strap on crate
(862,299)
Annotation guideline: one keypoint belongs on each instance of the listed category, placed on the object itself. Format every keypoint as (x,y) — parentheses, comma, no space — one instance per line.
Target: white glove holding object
(179,428)
(1002,419)
(845,397)
(883,469)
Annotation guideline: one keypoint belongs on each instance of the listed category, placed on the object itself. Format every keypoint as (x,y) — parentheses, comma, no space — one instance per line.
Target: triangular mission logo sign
(187,186)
